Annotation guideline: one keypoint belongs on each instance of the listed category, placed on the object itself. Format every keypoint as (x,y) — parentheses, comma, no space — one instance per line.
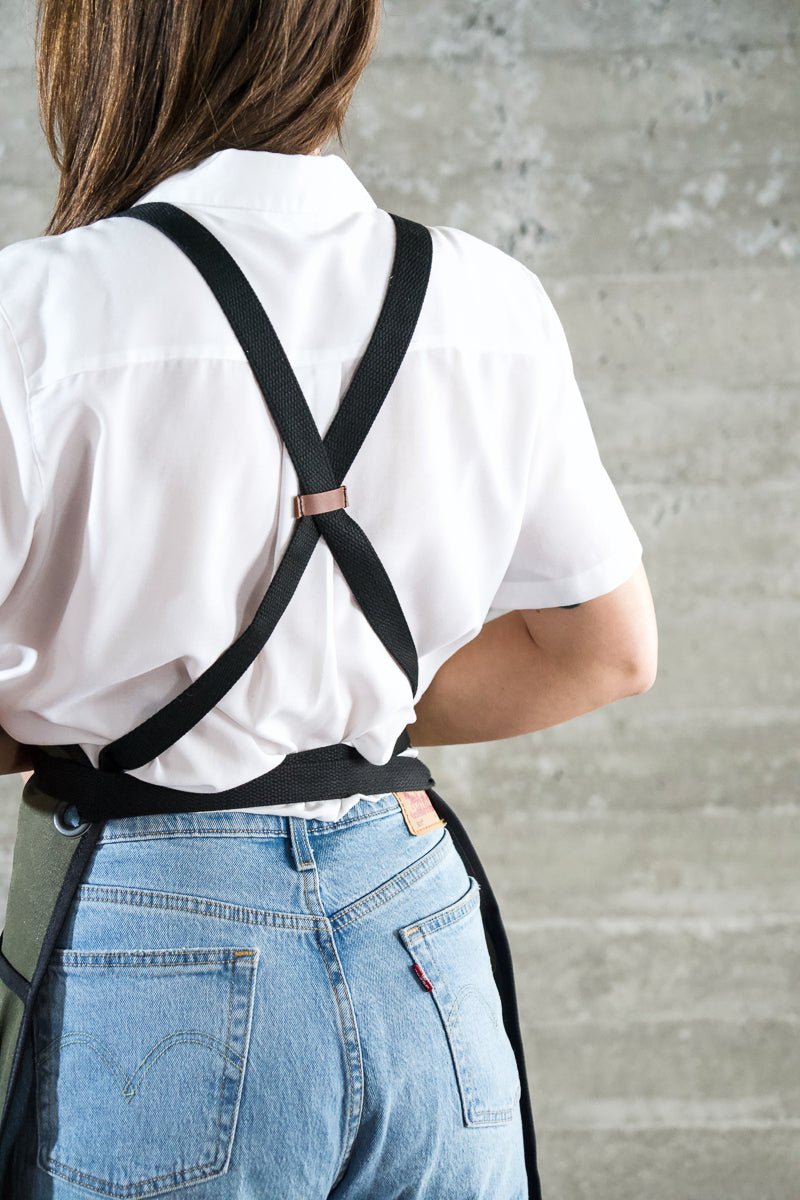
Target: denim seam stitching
(213,956)
(420,929)
(224,1070)
(392,887)
(327,827)
(75,1174)
(97,893)
(211,830)
(339,1010)
(205,831)
(351,1078)
(251,966)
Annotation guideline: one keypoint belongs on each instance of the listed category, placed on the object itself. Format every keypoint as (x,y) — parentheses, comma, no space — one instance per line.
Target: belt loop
(301,844)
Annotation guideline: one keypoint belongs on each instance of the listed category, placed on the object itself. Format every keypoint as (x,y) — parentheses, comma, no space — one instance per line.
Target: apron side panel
(45,873)
(41,860)
(12,1014)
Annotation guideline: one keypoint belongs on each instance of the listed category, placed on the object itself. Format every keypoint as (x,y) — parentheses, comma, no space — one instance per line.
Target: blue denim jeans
(272,1008)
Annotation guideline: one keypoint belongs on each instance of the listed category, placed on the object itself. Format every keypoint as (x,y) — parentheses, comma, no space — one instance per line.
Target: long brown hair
(131,91)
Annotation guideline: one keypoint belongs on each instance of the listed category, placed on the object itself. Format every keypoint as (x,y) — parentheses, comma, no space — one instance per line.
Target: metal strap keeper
(320,502)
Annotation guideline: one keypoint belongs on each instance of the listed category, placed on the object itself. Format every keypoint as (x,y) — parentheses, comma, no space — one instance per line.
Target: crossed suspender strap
(320,465)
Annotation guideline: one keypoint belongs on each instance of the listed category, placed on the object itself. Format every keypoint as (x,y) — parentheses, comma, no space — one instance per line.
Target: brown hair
(131,91)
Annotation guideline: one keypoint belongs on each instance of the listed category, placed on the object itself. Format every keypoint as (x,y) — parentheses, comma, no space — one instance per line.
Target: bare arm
(529,670)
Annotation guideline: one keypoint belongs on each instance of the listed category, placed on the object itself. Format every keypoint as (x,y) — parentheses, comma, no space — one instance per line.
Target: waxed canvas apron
(51,851)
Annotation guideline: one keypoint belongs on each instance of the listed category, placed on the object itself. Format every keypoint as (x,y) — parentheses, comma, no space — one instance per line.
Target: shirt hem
(597,581)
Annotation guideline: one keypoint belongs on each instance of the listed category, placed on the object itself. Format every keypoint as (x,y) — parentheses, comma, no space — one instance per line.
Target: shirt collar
(261,179)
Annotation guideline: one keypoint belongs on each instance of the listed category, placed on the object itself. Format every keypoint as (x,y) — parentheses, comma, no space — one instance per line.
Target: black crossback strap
(320,464)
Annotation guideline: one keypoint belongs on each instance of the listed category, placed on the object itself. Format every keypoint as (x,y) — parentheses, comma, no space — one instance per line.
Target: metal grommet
(68,830)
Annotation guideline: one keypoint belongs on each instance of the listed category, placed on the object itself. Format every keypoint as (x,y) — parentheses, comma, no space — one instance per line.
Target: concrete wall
(642,157)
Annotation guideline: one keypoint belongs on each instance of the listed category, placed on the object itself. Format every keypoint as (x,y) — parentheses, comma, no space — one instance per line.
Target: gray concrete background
(642,157)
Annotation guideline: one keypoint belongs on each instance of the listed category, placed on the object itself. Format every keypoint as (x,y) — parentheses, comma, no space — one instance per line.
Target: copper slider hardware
(320,502)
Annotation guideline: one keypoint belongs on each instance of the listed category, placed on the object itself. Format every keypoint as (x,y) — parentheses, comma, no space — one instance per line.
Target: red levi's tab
(422,977)
(418,811)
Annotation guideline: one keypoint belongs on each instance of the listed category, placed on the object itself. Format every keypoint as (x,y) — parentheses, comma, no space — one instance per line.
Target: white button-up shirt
(146,497)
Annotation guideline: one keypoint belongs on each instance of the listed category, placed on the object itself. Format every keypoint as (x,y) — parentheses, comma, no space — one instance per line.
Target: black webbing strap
(320,465)
(324,773)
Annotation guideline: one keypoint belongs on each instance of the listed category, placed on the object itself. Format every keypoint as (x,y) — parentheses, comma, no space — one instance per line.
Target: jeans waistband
(234,823)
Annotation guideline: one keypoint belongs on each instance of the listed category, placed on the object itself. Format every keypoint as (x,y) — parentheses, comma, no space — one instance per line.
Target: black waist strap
(327,772)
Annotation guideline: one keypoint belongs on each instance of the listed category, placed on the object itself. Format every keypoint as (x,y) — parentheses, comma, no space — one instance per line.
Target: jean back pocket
(451,959)
(140,1058)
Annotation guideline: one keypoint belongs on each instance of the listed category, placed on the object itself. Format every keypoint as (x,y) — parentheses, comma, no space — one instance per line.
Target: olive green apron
(46,871)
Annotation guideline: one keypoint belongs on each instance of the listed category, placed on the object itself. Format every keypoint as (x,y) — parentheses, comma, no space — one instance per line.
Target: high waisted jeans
(271,1008)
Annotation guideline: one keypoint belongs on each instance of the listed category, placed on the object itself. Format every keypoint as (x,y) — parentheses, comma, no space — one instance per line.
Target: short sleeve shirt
(146,497)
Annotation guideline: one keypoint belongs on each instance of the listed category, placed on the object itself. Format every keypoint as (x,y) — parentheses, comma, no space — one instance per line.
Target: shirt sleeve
(576,541)
(20,482)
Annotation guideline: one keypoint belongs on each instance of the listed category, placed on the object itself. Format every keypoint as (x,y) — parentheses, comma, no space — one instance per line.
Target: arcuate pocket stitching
(127,1086)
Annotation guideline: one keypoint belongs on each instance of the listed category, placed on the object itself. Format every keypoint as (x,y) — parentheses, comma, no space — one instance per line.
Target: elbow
(641,659)
(643,682)
(640,674)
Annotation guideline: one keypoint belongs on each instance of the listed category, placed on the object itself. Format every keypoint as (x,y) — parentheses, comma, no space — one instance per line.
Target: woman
(292,993)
